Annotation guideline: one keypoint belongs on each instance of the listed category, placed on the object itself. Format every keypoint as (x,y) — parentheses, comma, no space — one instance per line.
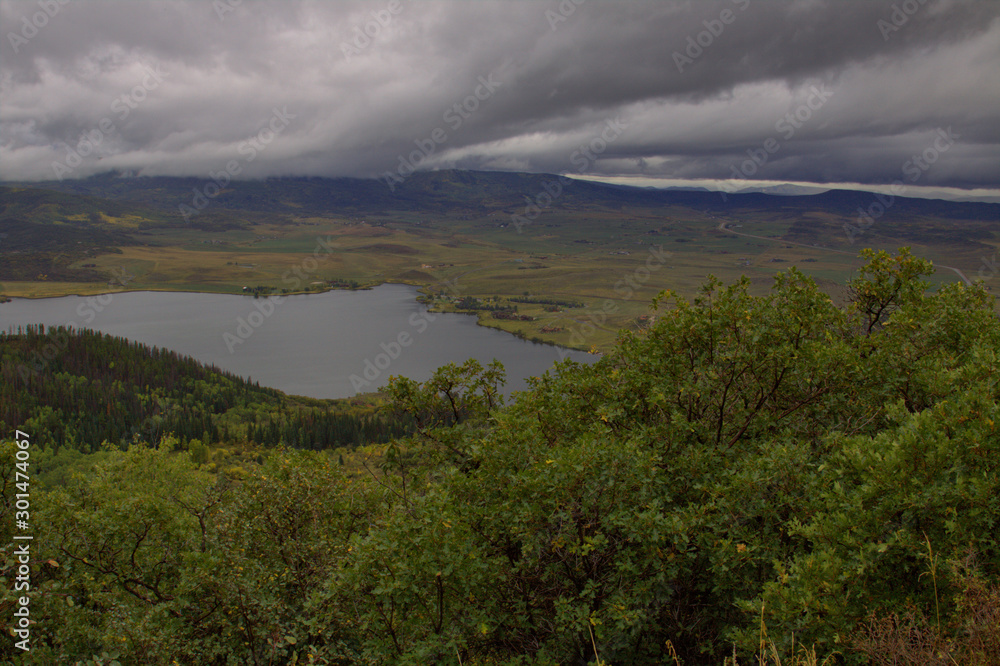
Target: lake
(330,345)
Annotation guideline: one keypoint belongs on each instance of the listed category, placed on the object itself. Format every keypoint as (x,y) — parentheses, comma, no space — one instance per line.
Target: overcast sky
(824,91)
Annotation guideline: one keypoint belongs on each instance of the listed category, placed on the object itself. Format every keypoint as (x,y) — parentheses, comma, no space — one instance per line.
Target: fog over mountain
(815,91)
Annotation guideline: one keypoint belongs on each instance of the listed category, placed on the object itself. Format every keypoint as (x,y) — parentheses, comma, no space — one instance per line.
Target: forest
(776,478)
(80,390)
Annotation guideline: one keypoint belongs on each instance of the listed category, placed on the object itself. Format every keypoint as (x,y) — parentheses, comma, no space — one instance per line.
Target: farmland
(466,235)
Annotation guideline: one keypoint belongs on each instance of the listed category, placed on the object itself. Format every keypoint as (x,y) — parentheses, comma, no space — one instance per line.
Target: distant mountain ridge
(456,190)
(59,229)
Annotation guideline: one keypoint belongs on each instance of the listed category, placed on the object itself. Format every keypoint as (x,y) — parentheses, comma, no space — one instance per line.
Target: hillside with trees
(769,478)
(82,390)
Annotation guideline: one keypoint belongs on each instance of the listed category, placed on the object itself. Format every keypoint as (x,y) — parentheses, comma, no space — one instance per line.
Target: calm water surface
(330,345)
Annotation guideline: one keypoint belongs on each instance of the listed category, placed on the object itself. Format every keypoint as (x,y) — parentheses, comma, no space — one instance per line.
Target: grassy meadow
(613,258)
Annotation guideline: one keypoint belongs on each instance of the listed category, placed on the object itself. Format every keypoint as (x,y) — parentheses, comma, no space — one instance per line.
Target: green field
(611,250)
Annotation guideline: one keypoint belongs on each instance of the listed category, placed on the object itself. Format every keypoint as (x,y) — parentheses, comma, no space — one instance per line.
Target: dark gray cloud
(821,91)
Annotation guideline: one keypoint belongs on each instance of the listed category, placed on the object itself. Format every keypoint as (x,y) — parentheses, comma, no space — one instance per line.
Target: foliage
(154,560)
(752,478)
(79,388)
(910,636)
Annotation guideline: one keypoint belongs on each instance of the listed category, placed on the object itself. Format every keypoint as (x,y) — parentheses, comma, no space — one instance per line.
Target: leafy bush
(752,478)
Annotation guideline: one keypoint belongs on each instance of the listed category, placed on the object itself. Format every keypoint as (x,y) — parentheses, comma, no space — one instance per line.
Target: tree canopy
(751,474)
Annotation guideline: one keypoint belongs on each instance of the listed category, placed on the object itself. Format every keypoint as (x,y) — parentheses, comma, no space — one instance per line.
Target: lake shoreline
(334,345)
(482,319)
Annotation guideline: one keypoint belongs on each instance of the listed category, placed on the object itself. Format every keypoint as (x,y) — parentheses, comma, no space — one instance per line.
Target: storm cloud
(822,91)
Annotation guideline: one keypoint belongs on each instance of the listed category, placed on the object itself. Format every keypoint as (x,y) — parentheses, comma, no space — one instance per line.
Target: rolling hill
(468,234)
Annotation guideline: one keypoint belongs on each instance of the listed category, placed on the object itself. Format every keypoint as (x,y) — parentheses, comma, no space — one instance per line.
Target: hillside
(472,192)
(763,479)
(81,390)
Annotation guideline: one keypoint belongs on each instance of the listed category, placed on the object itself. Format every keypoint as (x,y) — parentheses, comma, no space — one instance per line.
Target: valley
(471,241)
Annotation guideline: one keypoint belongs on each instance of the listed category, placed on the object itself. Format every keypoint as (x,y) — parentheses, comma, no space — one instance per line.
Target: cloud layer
(822,91)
